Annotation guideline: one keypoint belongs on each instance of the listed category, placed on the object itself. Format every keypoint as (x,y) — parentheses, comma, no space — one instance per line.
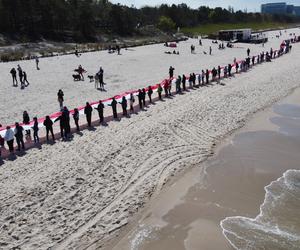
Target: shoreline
(148,228)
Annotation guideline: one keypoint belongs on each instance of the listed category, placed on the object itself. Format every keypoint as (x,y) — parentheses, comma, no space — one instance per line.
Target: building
(235,35)
(280,8)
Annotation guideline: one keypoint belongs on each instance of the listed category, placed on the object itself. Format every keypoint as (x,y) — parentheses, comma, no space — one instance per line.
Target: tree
(166,24)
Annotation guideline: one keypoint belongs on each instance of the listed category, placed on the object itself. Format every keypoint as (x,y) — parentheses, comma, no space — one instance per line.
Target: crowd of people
(194,80)
(22,77)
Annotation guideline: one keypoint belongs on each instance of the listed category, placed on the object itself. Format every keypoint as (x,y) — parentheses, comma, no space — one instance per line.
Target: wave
(278,224)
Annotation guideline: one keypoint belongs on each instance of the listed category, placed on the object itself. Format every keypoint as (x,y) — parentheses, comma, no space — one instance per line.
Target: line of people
(202,78)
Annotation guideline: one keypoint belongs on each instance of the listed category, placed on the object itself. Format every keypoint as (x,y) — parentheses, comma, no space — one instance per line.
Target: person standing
(9,138)
(20,72)
(124,105)
(35,129)
(19,136)
(178,83)
(236,67)
(100,109)
(88,112)
(114,108)
(2,141)
(49,127)
(159,91)
(26,121)
(210,50)
(248,52)
(144,97)
(140,98)
(131,100)
(166,87)
(150,92)
(60,98)
(183,82)
(194,79)
(13,73)
(37,61)
(219,72)
(76,118)
(66,120)
(207,76)
(202,76)
(101,82)
(171,71)
(229,69)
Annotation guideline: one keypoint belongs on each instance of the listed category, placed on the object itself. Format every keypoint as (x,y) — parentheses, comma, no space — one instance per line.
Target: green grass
(207,29)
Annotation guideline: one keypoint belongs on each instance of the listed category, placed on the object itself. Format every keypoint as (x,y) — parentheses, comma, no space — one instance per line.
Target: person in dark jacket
(25,78)
(144,97)
(140,97)
(229,69)
(60,98)
(150,92)
(114,107)
(207,76)
(183,82)
(19,136)
(49,127)
(62,125)
(76,119)
(124,106)
(35,129)
(20,73)
(88,112)
(66,118)
(171,71)
(13,73)
(219,72)
(26,121)
(100,110)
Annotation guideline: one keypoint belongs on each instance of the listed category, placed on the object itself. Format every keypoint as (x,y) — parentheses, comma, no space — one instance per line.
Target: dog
(91,78)
(76,77)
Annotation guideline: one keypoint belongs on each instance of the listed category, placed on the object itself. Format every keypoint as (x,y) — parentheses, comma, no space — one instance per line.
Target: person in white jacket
(9,138)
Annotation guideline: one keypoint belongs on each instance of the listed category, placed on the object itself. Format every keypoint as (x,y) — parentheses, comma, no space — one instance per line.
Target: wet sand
(187,215)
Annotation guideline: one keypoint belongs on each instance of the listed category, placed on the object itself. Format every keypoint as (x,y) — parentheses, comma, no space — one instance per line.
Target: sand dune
(75,194)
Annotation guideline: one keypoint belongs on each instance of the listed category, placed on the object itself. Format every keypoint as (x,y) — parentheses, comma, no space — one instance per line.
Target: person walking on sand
(131,101)
(35,129)
(100,109)
(13,73)
(248,52)
(210,50)
(37,61)
(19,136)
(88,113)
(150,92)
(26,121)
(60,98)
(20,73)
(144,97)
(49,127)
(114,108)
(25,79)
(124,105)
(76,119)
(171,71)
(9,138)
(159,91)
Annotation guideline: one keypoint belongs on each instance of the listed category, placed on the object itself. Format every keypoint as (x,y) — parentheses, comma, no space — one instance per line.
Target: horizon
(250,6)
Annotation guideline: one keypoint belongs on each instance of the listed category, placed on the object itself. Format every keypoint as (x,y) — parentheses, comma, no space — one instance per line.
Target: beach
(247,194)
(78,194)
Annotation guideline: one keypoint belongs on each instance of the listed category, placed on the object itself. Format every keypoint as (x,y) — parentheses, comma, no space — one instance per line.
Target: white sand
(74,193)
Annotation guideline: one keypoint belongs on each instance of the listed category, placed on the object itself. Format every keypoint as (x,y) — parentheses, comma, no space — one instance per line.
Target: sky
(250,5)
